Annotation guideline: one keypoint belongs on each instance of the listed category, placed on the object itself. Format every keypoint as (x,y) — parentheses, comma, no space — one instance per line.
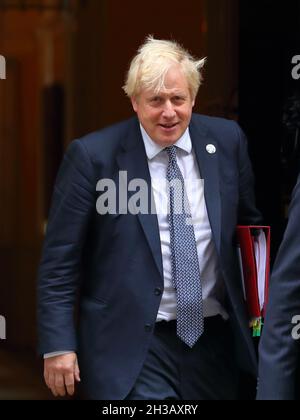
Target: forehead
(174,82)
(165,92)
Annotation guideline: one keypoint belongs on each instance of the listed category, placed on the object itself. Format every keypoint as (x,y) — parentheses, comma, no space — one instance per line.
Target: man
(279,346)
(155,288)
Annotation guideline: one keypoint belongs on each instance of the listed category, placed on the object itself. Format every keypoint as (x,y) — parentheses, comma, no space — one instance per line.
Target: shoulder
(112,132)
(103,143)
(226,133)
(215,125)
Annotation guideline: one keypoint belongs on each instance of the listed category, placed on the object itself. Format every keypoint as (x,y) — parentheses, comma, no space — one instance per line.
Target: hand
(61,373)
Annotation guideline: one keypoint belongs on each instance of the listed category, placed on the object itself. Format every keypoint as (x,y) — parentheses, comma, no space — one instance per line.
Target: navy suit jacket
(112,264)
(279,351)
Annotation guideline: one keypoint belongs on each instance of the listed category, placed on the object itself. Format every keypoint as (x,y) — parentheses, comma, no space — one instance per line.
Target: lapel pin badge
(211,149)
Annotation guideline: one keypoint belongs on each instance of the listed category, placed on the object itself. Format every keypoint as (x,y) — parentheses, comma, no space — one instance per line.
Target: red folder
(254,247)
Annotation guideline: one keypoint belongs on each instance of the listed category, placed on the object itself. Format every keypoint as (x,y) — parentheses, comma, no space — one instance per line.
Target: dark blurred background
(65,66)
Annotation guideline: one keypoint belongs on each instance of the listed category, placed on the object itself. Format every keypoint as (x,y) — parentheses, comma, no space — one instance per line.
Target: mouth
(168,127)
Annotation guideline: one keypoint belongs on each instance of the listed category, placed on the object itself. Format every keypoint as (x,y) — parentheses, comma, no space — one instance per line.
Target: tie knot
(171,150)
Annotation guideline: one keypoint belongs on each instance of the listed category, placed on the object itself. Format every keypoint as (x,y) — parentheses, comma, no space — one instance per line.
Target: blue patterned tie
(184,257)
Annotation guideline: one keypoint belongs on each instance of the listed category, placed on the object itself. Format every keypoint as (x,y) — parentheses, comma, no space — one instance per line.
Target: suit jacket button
(148,327)
(157,291)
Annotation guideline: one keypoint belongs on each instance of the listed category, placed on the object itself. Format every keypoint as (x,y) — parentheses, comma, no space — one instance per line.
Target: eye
(178,100)
(156,99)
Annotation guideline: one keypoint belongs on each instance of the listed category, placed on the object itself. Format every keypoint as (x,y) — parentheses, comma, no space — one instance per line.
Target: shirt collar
(153,149)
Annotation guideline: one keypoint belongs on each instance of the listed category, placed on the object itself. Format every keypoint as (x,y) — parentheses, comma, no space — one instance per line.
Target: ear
(134,103)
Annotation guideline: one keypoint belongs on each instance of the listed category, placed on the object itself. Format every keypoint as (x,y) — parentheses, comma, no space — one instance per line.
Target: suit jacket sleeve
(248,213)
(279,352)
(72,204)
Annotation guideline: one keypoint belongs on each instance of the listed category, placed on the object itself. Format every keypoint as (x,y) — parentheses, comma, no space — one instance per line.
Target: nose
(168,110)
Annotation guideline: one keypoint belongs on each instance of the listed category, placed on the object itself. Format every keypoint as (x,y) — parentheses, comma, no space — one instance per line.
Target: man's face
(165,115)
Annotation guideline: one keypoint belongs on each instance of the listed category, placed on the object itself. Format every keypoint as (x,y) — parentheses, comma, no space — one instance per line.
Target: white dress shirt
(211,279)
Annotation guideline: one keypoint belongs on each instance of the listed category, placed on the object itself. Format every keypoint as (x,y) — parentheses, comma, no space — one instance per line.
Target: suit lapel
(209,170)
(133,160)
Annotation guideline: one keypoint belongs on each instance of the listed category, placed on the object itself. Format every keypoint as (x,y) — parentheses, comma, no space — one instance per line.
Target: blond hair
(152,62)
